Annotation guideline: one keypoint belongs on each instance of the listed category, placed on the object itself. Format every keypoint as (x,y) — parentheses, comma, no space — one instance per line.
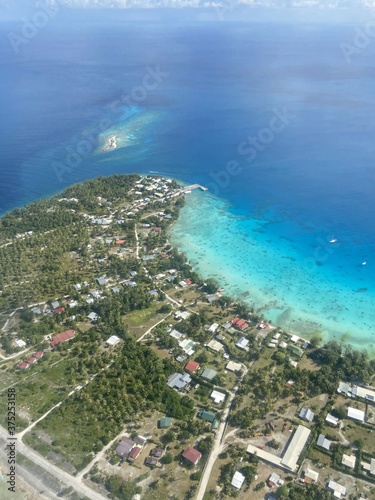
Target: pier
(193,186)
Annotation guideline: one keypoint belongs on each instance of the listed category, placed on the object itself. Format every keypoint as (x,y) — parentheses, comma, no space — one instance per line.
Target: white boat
(333,240)
(364,263)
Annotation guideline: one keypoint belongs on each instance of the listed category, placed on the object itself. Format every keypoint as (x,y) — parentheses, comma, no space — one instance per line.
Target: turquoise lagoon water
(295,288)
(266,235)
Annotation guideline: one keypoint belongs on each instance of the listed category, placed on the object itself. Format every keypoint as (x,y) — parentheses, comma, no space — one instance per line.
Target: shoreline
(302,321)
(261,306)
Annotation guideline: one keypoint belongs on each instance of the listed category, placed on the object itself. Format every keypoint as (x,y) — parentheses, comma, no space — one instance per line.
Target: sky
(215,4)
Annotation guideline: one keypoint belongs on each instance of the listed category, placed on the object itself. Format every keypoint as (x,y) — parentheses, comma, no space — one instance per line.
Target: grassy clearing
(137,318)
(45,387)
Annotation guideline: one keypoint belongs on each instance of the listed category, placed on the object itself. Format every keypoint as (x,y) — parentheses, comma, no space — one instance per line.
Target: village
(253,416)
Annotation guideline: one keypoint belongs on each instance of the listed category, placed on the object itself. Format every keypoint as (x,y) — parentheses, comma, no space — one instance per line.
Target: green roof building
(207,415)
(297,351)
(208,374)
(165,422)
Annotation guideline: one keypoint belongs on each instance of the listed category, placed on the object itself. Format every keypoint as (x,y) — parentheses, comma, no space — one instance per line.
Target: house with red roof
(23,366)
(134,454)
(242,325)
(263,325)
(62,337)
(192,455)
(31,361)
(59,310)
(192,366)
(120,242)
(38,355)
(239,323)
(157,229)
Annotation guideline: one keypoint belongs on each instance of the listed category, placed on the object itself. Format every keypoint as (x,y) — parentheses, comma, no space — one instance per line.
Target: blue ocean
(272,111)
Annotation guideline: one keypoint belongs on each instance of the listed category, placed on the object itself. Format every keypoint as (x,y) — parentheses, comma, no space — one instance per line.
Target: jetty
(193,186)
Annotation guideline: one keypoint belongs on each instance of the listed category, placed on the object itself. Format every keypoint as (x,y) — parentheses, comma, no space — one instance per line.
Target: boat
(364,263)
(333,240)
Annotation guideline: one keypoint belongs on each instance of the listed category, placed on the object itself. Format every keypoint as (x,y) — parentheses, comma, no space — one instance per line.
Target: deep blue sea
(266,111)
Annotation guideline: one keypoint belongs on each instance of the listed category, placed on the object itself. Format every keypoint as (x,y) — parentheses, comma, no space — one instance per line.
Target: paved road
(61,475)
(219,442)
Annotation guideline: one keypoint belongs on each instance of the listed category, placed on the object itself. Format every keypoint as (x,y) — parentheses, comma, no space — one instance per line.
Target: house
(344,388)
(213,327)
(157,452)
(187,346)
(215,345)
(242,343)
(306,414)
(59,310)
(323,442)
(310,476)
(62,337)
(134,454)
(19,343)
(178,381)
(364,393)
(101,281)
(218,397)
(233,367)
(237,480)
(113,340)
(192,455)
(119,242)
(192,366)
(297,351)
(140,440)
(77,287)
(263,325)
(153,293)
(332,420)
(89,300)
(294,338)
(124,447)
(73,304)
(242,325)
(182,314)
(55,304)
(36,310)
(156,229)
(273,480)
(356,414)
(283,345)
(207,415)
(151,461)
(115,289)
(93,317)
(349,460)
(209,374)
(369,467)
(23,366)
(338,490)
(38,355)
(165,422)
(176,334)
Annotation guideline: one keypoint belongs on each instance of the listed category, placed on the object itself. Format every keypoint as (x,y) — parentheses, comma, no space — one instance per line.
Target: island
(125,375)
